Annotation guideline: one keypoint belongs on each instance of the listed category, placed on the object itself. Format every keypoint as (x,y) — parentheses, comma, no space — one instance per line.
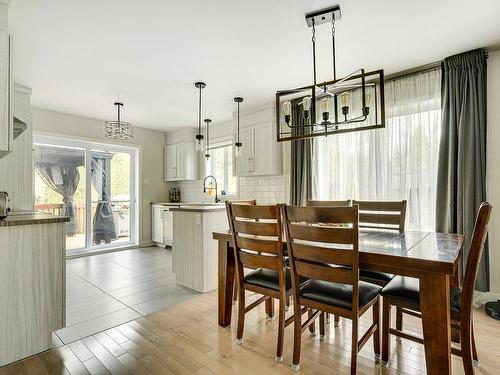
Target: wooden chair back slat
(256,228)
(250,260)
(324,215)
(253,211)
(257,244)
(382,214)
(320,203)
(318,254)
(320,272)
(321,233)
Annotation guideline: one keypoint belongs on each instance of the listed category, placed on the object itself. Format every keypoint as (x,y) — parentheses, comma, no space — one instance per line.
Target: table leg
(226,266)
(435,309)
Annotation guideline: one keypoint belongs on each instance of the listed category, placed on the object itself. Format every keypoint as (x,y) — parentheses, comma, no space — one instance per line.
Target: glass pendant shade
(199,144)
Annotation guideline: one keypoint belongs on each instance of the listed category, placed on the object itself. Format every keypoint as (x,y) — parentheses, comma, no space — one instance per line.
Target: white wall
(493,166)
(152,186)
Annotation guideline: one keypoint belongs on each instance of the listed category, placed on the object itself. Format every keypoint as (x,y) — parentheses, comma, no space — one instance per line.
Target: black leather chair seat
(267,278)
(407,289)
(339,294)
(375,277)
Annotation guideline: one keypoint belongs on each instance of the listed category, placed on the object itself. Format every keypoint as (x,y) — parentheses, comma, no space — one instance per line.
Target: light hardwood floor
(185,339)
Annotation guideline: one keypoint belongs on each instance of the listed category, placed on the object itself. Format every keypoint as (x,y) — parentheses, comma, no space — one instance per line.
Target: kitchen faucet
(217,200)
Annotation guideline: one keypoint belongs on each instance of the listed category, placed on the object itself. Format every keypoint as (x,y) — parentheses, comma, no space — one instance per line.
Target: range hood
(19,127)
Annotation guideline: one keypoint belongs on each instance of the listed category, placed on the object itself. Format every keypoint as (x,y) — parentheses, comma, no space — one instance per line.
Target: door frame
(88,145)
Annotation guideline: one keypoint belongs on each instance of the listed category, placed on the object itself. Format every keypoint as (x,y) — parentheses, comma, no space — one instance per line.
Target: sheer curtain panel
(394,163)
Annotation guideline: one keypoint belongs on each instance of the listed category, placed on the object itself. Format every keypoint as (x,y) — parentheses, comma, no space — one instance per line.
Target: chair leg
(466,346)
(376,333)
(235,295)
(336,321)
(399,321)
(475,361)
(322,326)
(386,325)
(297,335)
(241,316)
(354,345)
(270,308)
(281,329)
(287,305)
(312,326)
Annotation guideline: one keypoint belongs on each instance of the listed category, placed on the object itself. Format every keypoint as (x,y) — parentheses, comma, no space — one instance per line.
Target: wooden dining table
(433,258)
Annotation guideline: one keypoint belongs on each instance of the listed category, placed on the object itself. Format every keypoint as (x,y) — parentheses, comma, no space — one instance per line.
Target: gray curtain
(462,154)
(63,179)
(103,226)
(301,163)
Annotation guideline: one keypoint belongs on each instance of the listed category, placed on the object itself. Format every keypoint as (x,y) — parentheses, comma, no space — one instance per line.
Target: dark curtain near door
(462,155)
(103,225)
(63,179)
(301,159)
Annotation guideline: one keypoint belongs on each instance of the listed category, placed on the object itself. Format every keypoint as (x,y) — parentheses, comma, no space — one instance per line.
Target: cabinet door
(264,155)
(171,163)
(157,235)
(243,163)
(168,227)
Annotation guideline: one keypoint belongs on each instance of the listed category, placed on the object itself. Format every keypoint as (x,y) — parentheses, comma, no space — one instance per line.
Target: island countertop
(199,208)
(31,218)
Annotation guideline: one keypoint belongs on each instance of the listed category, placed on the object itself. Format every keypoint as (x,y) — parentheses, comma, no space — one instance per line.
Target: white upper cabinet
(6,97)
(261,154)
(181,162)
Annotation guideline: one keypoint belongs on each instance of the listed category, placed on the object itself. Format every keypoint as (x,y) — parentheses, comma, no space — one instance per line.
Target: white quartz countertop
(200,208)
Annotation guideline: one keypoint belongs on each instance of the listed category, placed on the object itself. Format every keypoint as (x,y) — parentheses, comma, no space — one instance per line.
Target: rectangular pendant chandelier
(352,103)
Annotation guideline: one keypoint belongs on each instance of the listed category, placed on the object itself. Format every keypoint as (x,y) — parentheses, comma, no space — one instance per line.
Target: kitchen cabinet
(162,225)
(260,154)
(181,162)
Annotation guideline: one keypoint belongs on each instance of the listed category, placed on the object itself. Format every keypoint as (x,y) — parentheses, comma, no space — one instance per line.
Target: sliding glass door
(93,184)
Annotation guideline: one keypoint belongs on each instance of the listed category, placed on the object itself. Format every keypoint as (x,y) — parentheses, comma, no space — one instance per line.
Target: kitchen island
(32,283)
(194,251)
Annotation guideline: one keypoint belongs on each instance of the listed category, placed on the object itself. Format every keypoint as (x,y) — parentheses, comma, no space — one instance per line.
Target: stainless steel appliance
(4,205)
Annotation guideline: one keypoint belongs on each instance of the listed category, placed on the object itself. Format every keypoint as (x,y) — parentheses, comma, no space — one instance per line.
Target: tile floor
(106,290)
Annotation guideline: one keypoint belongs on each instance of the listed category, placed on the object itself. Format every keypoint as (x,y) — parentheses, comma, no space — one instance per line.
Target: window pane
(220,165)
(60,188)
(111,199)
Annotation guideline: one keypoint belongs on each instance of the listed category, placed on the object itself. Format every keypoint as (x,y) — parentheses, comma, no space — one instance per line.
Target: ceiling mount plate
(238,99)
(200,85)
(323,16)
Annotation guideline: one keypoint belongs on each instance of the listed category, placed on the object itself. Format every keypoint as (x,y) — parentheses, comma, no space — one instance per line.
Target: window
(220,165)
(394,163)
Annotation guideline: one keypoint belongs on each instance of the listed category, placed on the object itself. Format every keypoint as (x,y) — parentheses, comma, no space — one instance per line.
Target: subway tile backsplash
(266,189)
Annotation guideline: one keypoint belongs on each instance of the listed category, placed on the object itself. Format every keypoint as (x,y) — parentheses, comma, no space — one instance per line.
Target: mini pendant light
(207,122)
(238,144)
(118,129)
(199,137)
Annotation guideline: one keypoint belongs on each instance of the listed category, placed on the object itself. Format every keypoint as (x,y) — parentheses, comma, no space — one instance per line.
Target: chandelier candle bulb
(366,110)
(287,110)
(325,108)
(306,104)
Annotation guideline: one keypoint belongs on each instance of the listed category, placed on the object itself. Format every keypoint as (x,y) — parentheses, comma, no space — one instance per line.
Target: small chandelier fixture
(199,137)
(351,103)
(238,144)
(118,129)
(207,122)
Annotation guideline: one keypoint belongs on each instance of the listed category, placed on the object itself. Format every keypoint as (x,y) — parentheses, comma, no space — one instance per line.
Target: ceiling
(81,56)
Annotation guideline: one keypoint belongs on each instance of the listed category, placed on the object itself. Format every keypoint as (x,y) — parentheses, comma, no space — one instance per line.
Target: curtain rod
(416,70)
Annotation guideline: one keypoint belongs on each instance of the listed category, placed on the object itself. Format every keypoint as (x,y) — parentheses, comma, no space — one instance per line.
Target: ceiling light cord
(314,50)
(199,112)
(333,49)
(238,122)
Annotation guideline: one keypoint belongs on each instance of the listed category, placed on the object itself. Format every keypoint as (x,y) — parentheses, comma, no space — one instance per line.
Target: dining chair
(403,292)
(329,203)
(257,242)
(382,215)
(322,244)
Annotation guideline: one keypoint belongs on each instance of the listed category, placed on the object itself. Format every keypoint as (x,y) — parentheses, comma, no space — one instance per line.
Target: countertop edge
(32,219)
